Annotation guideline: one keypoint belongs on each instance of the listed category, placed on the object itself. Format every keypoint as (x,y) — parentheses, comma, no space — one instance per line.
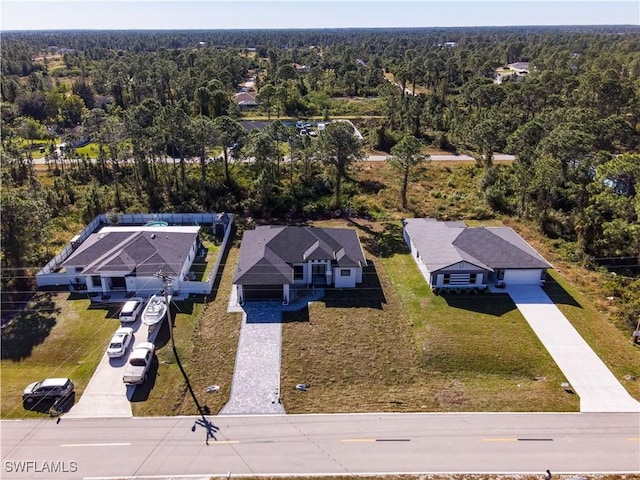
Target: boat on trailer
(155,310)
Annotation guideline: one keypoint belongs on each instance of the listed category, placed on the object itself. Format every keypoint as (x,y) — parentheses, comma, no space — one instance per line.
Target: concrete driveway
(106,395)
(589,377)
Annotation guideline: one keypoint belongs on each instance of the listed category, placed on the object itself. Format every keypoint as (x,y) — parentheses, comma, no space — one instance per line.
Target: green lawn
(52,337)
(394,346)
(58,335)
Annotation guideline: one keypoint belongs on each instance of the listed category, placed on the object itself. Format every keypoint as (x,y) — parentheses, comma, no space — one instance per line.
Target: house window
(543,275)
(500,274)
(472,278)
(96,281)
(447,279)
(345,272)
(298,272)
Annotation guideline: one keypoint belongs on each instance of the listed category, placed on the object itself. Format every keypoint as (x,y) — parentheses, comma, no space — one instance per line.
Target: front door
(319,274)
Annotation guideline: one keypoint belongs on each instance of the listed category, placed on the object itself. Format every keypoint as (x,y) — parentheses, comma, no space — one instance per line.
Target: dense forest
(148,122)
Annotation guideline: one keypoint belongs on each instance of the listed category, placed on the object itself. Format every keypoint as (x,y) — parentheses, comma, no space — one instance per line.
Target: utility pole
(166,282)
(209,427)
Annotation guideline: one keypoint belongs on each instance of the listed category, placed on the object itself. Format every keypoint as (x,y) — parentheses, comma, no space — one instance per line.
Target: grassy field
(394,346)
(582,297)
(52,337)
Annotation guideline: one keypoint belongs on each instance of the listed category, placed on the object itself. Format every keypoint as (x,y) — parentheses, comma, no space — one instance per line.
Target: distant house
(516,72)
(519,67)
(301,68)
(273,259)
(452,255)
(245,100)
(127,258)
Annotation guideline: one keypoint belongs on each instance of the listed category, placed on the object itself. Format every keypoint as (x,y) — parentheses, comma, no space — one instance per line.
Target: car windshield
(137,362)
(115,345)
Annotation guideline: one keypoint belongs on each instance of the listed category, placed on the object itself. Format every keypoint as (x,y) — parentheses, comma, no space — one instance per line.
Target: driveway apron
(589,377)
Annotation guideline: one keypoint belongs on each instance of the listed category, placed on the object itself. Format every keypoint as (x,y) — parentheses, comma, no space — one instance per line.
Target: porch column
(240,294)
(285,294)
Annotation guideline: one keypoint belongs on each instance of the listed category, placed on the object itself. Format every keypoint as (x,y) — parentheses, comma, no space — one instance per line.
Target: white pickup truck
(139,361)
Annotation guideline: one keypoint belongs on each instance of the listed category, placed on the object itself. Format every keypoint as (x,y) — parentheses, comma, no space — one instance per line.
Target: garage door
(262,292)
(522,277)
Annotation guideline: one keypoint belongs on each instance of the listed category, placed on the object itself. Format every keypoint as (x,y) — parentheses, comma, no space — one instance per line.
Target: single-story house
(127,258)
(274,258)
(452,255)
(245,100)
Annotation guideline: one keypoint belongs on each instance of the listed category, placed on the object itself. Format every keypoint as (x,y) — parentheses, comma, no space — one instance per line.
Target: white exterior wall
(344,282)
(459,268)
(522,277)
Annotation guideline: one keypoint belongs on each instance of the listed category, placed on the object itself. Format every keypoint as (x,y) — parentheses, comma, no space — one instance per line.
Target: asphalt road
(323,444)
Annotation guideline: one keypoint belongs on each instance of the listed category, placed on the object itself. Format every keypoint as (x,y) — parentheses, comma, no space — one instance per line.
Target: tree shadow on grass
(558,294)
(495,304)
(29,328)
(369,294)
(385,243)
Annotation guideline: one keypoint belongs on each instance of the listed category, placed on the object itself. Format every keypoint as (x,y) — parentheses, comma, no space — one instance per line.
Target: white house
(452,255)
(274,258)
(127,258)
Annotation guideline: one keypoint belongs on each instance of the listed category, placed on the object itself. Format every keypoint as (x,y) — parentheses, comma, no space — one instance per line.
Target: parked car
(139,362)
(131,310)
(119,342)
(48,389)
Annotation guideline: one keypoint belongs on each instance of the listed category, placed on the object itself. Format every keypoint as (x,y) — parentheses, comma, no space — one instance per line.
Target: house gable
(462,267)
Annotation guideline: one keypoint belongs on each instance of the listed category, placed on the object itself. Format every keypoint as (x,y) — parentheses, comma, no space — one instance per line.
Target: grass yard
(614,349)
(581,295)
(394,346)
(52,337)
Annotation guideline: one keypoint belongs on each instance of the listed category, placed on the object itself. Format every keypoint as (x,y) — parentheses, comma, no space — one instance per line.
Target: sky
(270,14)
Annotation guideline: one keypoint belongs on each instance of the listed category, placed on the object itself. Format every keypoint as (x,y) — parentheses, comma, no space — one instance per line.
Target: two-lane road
(323,444)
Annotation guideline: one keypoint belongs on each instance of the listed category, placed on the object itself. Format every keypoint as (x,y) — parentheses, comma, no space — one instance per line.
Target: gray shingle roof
(144,251)
(267,254)
(442,244)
